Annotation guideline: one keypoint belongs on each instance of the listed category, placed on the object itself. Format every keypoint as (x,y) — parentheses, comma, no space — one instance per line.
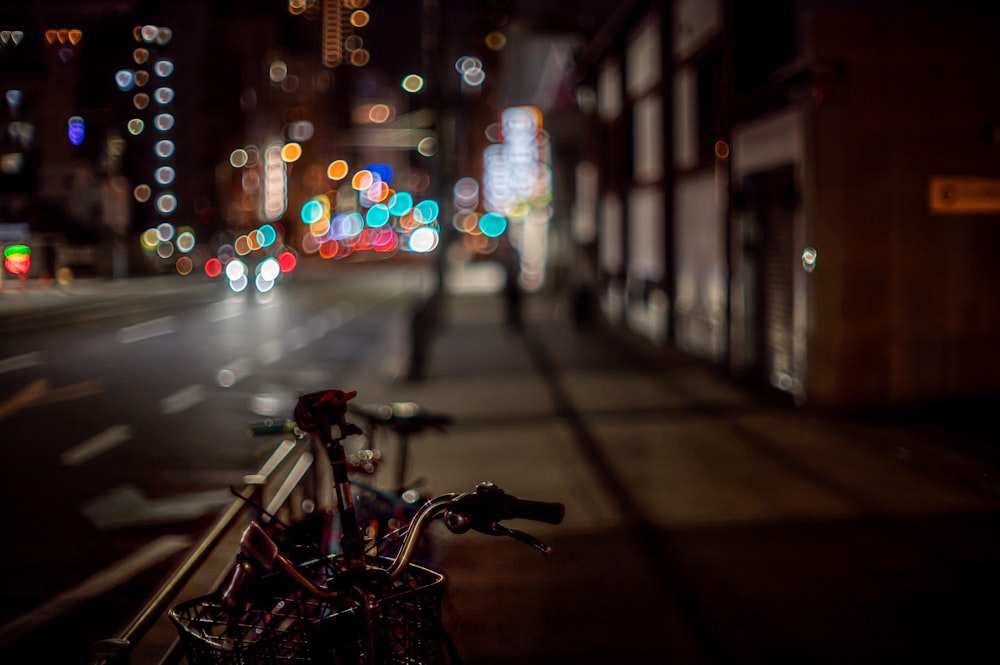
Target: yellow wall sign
(963,195)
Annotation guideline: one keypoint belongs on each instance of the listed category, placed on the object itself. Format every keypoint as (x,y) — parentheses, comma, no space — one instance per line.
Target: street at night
(688,309)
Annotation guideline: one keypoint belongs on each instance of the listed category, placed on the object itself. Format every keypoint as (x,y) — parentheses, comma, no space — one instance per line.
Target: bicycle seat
(403,417)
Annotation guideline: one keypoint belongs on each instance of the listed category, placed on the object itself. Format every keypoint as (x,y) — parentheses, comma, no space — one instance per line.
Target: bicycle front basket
(283,624)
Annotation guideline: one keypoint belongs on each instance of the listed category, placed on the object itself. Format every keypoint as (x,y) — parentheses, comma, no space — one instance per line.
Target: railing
(280,478)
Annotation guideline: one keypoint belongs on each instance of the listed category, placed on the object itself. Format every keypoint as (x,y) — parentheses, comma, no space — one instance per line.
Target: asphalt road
(124,418)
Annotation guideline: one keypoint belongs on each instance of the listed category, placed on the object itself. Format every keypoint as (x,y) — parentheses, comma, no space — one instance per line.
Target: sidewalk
(706,522)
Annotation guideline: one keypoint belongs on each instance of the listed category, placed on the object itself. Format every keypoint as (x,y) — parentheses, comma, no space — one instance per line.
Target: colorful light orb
(400,204)
(312,211)
(377,215)
(337,170)
(125,79)
(76,132)
(413,83)
(17,259)
(492,225)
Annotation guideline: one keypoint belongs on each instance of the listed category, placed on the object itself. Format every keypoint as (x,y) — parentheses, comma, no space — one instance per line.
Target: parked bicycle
(383,507)
(351,607)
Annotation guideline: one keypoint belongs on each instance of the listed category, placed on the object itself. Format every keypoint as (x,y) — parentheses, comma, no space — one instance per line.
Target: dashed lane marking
(96,445)
(183,399)
(20,362)
(148,329)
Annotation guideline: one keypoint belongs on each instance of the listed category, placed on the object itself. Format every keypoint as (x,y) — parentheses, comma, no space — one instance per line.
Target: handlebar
(481,510)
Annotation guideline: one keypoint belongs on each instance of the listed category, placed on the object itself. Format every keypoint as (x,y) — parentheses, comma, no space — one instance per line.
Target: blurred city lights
(164,148)
(14,98)
(291,152)
(140,55)
(213,267)
(275,183)
(163,68)
(135,126)
(125,79)
(809,256)
(142,193)
(278,71)
(301,131)
(184,265)
(164,175)
(492,225)
(495,40)
(424,239)
(235,268)
(75,131)
(164,231)
(17,259)
(413,83)
(185,241)
(360,18)
(238,158)
(337,170)
(164,122)
(141,100)
(166,203)
(312,211)
(141,78)
(426,212)
(427,146)
(164,95)
(377,215)
(287,261)
(400,204)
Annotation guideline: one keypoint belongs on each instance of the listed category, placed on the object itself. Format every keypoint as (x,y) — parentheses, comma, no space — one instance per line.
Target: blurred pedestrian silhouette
(509,258)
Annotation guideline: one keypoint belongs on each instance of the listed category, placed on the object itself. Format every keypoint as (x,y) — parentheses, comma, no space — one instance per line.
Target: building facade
(805,193)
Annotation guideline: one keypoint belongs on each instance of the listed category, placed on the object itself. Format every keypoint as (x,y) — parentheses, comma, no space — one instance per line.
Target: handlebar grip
(539,511)
(271,427)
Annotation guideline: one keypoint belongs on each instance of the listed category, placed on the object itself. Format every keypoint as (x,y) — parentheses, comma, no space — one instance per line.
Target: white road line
(271,351)
(228,376)
(226,309)
(95,445)
(20,362)
(183,399)
(140,331)
(142,559)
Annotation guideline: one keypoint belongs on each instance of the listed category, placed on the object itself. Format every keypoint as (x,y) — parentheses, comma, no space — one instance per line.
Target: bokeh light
(413,83)
(142,193)
(164,95)
(492,224)
(424,239)
(163,68)
(291,152)
(238,158)
(125,79)
(400,204)
(377,215)
(75,131)
(213,267)
(495,40)
(164,121)
(337,170)
(164,175)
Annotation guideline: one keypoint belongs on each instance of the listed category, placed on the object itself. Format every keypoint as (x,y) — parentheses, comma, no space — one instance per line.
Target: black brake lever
(523,537)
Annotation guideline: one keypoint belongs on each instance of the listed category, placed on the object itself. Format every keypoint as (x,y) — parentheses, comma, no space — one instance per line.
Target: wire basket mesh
(280,623)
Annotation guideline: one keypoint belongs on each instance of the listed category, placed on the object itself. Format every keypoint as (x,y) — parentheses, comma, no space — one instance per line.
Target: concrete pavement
(706,522)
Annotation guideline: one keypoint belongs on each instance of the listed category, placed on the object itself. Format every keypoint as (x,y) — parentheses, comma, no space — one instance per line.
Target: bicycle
(383,511)
(352,607)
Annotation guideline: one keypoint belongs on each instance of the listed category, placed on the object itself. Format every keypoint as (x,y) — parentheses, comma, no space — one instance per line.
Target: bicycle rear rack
(283,476)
